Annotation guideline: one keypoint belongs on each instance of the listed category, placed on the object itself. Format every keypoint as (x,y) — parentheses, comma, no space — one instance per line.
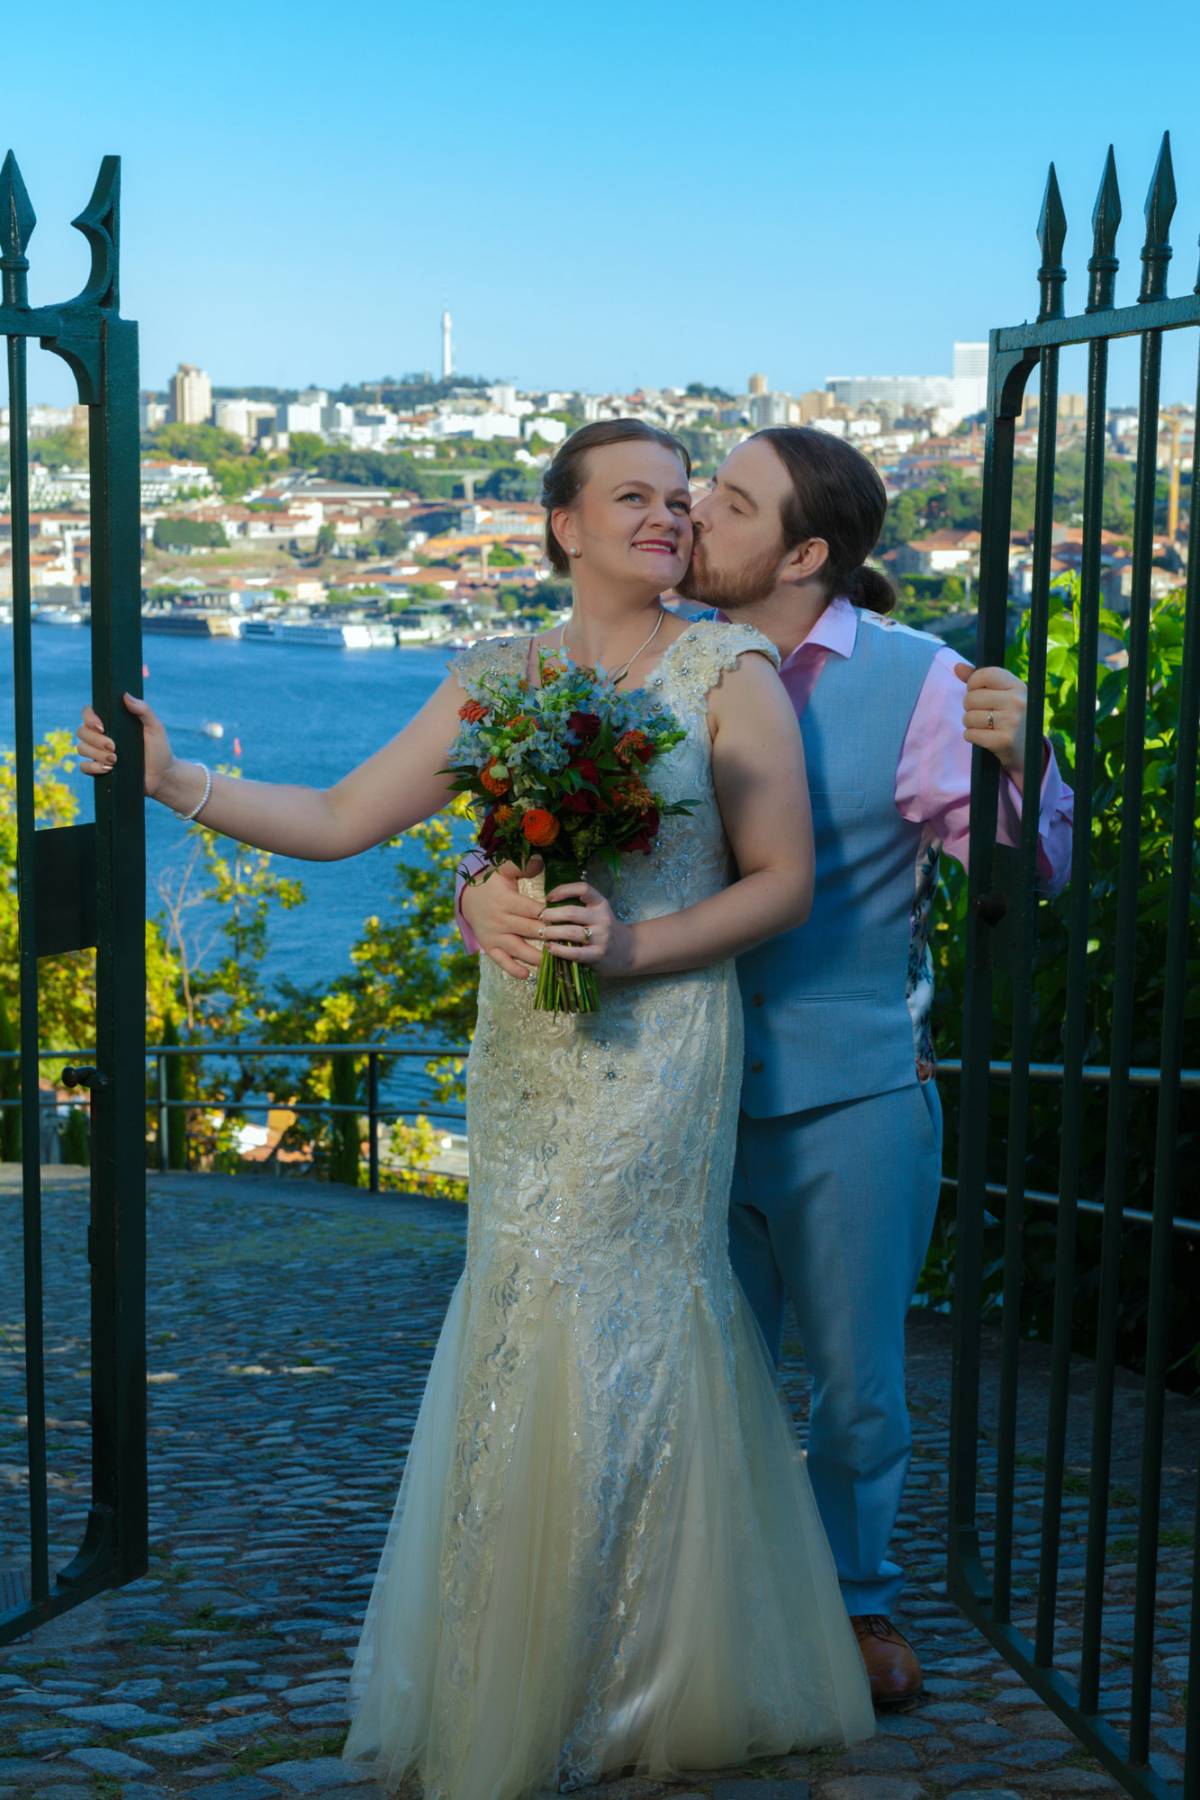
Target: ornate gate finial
(17,220)
(1102,264)
(1052,232)
(1160,207)
(100,224)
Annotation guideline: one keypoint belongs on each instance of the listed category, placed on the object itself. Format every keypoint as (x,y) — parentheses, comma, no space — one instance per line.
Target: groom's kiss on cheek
(747,541)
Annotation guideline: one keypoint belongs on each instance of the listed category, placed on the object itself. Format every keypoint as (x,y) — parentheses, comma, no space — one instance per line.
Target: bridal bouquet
(563,770)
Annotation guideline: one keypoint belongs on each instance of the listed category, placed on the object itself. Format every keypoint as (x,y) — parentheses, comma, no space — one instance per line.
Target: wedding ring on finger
(991,721)
(587,934)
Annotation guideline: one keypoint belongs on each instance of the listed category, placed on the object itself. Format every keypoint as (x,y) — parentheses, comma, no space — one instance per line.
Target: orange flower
(503,814)
(540,827)
(634,745)
(495,784)
(473,711)
(634,794)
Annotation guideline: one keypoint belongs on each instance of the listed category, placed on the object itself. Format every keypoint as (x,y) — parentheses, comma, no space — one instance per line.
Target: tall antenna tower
(447,347)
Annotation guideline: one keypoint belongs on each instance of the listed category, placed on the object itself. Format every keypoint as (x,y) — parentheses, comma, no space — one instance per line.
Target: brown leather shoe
(891,1661)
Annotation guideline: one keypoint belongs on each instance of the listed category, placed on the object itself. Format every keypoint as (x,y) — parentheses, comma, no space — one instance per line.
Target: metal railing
(373,1110)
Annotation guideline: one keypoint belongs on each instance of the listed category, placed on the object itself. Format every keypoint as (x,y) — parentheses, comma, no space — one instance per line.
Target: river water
(300,713)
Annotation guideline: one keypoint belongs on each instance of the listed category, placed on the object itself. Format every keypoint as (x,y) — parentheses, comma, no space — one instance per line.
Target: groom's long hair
(839,496)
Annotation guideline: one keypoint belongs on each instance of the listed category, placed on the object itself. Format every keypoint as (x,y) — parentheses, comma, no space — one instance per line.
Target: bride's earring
(575,551)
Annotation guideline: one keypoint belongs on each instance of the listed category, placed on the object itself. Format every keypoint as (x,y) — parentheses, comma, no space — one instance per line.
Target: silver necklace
(623,671)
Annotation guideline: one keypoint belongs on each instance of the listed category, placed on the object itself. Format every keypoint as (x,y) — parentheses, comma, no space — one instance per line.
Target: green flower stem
(564,986)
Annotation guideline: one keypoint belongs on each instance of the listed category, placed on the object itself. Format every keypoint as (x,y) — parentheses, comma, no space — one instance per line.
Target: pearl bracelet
(203,800)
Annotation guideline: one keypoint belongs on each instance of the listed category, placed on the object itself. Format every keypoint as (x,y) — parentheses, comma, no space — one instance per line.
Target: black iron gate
(1019,1611)
(80,886)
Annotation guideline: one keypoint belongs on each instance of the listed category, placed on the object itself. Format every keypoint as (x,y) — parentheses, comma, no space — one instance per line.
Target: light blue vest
(826,1005)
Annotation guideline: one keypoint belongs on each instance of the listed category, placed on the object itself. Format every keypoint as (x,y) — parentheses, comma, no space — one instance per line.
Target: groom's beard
(729,589)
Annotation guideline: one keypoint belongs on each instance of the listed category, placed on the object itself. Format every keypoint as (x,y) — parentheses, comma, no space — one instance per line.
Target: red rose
(586,726)
(488,830)
(582,802)
(587,768)
(647,831)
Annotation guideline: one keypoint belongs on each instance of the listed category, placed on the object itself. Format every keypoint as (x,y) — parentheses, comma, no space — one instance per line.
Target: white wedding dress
(605,1552)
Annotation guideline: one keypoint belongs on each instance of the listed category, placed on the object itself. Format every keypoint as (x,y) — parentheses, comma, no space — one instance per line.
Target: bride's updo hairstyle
(566,475)
(839,496)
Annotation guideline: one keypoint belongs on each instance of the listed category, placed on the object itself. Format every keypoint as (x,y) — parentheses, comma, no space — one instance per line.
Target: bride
(605,1553)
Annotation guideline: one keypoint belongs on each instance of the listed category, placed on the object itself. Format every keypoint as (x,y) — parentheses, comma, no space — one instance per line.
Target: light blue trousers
(833,1209)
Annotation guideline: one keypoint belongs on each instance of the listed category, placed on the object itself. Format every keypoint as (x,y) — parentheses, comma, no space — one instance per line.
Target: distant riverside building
(896,395)
(771,409)
(757,384)
(970,376)
(190,396)
(246,419)
(304,413)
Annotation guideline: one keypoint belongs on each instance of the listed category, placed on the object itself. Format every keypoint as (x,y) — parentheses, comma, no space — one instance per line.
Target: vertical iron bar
(373,1120)
(1166,1151)
(31,1121)
(1121,1049)
(1075,1029)
(1006,381)
(118,1158)
(160,1063)
(1024,948)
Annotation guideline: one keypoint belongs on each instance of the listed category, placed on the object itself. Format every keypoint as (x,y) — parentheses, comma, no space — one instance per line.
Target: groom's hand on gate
(500,917)
(994,714)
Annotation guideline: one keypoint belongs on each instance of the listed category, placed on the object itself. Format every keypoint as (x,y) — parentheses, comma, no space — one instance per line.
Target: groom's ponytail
(838,496)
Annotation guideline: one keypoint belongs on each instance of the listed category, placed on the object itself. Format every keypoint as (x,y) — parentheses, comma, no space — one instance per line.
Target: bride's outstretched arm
(758,770)
(399,785)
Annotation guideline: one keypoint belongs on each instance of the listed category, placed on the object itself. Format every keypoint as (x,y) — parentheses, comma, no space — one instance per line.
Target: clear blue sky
(603,194)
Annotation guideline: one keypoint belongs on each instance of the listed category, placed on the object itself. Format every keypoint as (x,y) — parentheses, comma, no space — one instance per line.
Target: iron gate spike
(1160,209)
(17,220)
(1051,234)
(1106,217)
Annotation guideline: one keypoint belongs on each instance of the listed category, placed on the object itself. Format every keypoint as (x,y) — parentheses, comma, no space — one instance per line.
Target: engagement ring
(991,721)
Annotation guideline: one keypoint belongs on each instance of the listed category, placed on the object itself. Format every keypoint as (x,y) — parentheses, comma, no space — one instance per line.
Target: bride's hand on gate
(99,753)
(587,931)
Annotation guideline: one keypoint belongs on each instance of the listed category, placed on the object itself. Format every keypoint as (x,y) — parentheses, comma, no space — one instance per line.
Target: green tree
(326,540)
(194,443)
(61,449)
(76,1138)
(188,534)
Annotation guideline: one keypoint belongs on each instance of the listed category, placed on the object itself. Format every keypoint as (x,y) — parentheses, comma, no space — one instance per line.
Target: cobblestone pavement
(290,1328)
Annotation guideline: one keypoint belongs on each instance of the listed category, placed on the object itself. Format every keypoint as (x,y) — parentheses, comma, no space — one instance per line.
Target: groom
(839,1144)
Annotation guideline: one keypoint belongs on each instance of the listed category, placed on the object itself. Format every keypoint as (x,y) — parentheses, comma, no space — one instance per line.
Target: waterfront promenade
(290,1326)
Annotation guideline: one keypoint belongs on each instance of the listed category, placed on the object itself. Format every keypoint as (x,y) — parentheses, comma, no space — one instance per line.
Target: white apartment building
(190,393)
(244,418)
(772,409)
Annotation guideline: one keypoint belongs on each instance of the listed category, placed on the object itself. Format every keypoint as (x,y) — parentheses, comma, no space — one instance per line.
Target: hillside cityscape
(404,511)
